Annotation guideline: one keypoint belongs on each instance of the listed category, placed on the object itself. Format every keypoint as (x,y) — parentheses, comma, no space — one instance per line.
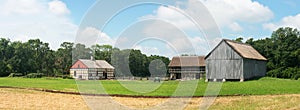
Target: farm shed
(187,67)
(92,70)
(233,60)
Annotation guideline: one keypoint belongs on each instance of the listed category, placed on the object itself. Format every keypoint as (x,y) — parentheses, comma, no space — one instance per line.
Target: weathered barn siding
(233,60)
(187,67)
(254,68)
(224,52)
(224,63)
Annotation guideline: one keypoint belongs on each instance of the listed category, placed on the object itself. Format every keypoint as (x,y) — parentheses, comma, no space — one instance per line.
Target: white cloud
(9,7)
(169,32)
(227,13)
(58,7)
(172,15)
(148,50)
(90,36)
(235,27)
(289,21)
(31,19)
(200,45)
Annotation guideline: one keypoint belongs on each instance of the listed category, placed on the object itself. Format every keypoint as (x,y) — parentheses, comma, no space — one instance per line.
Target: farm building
(187,67)
(233,60)
(92,70)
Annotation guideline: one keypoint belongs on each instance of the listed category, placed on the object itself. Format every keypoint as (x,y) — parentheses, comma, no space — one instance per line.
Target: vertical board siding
(224,63)
(224,69)
(254,68)
(224,52)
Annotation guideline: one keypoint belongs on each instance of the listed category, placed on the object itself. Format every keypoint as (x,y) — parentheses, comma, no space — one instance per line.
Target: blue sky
(56,21)
(282,8)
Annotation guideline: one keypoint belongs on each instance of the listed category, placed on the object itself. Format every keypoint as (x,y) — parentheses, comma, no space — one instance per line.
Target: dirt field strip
(267,102)
(30,99)
(12,98)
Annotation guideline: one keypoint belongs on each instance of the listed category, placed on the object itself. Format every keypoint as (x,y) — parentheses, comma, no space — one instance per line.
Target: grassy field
(28,99)
(262,86)
(68,85)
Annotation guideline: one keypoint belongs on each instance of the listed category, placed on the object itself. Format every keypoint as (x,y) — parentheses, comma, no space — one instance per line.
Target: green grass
(167,88)
(68,85)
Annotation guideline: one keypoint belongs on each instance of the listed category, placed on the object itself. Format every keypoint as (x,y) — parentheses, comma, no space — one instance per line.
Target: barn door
(198,75)
(105,75)
(178,76)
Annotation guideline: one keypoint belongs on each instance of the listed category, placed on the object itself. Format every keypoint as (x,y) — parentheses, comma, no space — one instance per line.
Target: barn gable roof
(96,63)
(104,64)
(244,50)
(187,61)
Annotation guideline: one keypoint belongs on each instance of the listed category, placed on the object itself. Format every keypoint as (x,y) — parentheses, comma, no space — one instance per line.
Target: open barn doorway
(105,75)
(178,76)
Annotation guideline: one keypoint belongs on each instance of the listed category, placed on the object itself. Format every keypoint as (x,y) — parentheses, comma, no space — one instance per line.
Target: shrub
(290,72)
(297,77)
(15,74)
(67,77)
(275,73)
(34,75)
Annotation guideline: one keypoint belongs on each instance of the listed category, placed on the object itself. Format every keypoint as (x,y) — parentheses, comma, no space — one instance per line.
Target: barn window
(75,73)
(78,66)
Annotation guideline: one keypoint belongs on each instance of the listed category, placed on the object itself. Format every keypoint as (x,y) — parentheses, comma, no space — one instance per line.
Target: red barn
(92,70)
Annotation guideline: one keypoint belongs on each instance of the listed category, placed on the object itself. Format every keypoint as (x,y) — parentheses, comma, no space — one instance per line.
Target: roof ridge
(242,43)
(190,56)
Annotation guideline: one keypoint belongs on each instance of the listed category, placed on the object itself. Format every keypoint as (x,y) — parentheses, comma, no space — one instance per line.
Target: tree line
(127,62)
(282,50)
(35,56)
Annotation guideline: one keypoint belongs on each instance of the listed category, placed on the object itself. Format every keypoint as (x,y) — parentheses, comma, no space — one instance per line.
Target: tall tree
(282,51)
(240,39)
(137,63)
(80,51)
(6,53)
(40,56)
(63,58)
(20,60)
(158,65)
(102,52)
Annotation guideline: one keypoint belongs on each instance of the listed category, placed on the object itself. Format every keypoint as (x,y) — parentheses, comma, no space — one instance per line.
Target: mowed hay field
(263,86)
(12,98)
(30,99)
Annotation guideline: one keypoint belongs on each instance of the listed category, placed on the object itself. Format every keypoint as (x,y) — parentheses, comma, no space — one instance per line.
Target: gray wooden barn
(233,60)
(187,67)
